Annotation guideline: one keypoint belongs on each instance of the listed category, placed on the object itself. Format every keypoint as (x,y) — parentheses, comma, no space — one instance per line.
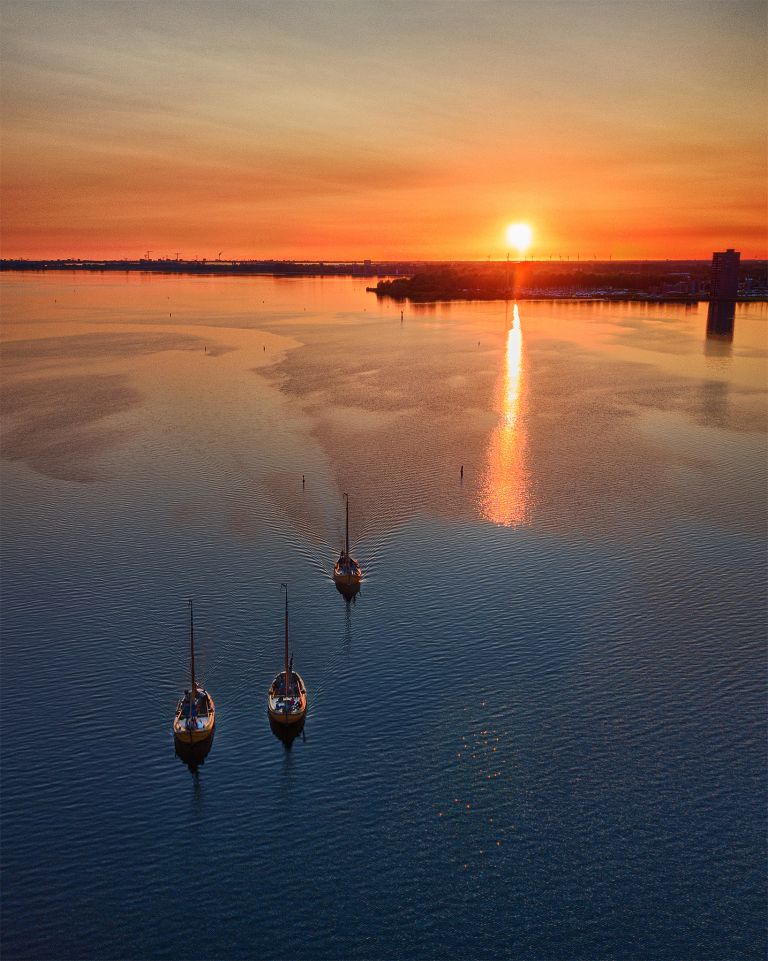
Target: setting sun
(519,236)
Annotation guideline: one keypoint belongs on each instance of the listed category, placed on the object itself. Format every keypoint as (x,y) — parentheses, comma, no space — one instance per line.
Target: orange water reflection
(505,487)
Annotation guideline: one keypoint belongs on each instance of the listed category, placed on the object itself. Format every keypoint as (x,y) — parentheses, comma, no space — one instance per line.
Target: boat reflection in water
(504,499)
(348,591)
(193,755)
(287,733)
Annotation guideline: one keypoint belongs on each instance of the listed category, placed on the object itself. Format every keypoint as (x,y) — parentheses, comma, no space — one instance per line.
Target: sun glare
(519,236)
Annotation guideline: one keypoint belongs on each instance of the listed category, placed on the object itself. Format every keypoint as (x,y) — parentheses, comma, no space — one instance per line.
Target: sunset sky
(373,129)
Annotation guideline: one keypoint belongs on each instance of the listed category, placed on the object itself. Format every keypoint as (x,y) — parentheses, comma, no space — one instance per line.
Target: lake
(538,731)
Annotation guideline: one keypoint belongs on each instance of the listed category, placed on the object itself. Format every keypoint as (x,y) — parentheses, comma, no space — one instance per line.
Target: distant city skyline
(343,131)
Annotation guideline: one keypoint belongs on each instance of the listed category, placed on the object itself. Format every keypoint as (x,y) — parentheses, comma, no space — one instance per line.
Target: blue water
(537,733)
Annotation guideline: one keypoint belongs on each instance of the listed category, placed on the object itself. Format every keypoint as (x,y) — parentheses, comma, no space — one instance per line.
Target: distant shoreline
(370,268)
(644,281)
(684,282)
(280,268)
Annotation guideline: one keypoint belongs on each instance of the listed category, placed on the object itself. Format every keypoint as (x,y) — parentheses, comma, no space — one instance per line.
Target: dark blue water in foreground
(538,732)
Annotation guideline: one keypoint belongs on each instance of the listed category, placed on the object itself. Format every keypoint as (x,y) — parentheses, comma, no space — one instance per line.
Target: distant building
(724,282)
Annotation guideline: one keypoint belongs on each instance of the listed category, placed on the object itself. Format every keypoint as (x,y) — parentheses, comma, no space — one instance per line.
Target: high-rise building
(724,279)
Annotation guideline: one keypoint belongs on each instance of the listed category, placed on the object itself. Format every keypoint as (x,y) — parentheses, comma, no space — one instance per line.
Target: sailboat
(287,697)
(347,572)
(195,712)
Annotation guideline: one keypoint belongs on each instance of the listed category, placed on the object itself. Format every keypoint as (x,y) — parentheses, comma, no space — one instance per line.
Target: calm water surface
(538,732)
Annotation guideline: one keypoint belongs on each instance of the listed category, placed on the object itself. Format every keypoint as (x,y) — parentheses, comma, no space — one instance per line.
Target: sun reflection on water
(505,489)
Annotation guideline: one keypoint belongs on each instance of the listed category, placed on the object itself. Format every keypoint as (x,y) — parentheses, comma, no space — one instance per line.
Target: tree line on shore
(498,280)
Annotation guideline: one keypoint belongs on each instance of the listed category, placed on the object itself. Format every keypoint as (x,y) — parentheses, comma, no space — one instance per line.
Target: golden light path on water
(505,494)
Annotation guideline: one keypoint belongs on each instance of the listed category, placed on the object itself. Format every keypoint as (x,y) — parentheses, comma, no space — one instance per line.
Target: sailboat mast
(346,538)
(193,689)
(287,677)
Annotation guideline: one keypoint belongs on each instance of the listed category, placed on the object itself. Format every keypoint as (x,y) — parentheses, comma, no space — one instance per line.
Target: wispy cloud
(425,125)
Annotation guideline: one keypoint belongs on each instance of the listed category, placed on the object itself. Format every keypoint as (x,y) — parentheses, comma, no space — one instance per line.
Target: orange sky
(334,130)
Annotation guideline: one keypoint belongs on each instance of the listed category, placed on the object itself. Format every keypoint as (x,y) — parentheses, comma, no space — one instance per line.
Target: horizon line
(365,260)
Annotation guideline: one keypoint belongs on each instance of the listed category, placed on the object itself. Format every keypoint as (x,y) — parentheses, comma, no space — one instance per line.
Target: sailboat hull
(186,736)
(346,579)
(287,720)
(287,712)
(202,730)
